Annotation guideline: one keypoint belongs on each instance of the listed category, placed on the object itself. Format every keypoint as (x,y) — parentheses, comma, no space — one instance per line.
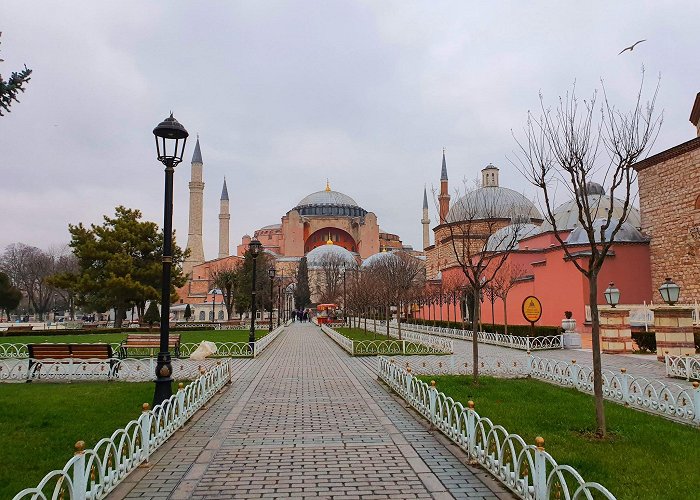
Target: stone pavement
(305,419)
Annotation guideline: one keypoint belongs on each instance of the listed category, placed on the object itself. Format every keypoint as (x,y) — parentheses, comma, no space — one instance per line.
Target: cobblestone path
(307,420)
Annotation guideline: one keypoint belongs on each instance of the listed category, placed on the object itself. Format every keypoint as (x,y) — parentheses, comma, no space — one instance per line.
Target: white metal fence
(94,473)
(440,344)
(527,470)
(387,346)
(687,367)
(512,341)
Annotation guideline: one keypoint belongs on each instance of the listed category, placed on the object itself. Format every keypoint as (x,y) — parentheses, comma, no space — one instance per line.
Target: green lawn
(645,456)
(383,346)
(185,337)
(41,423)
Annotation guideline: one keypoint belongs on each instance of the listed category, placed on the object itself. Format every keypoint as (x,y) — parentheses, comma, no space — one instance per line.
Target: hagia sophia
(650,245)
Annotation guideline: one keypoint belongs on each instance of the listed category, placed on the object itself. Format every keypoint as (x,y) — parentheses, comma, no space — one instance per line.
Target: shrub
(646,341)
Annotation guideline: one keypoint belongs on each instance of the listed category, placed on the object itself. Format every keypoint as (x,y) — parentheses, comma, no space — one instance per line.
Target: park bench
(19,328)
(68,353)
(148,341)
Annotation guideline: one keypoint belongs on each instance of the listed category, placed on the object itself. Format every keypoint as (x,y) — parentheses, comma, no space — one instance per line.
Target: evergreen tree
(10,89)
(244,278)
(152,315)
(188,312)
(302,293)
(10,296)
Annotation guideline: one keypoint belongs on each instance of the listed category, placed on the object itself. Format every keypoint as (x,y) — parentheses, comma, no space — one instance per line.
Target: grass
(185,337)
(41,423)
(645,456)
(384,346)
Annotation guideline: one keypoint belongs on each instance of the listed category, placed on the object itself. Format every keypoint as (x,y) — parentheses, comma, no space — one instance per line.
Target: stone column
(615,332)
(674,331)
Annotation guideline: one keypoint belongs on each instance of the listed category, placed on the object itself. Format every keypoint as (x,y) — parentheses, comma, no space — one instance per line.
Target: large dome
(493,202)
(325,253)
(376,258)
(328,202)
(627,233)
(566,214)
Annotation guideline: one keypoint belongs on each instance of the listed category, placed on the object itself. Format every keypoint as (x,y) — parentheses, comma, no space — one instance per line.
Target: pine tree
(152,315)
(188,312)
(302,293)
(10,89)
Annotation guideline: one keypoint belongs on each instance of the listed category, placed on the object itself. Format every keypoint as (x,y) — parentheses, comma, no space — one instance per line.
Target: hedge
(646,341)
(516,330)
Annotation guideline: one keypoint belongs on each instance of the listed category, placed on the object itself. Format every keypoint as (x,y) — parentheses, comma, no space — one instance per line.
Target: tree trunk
(505,316)
(475,339)
(119,316)
(493,315)
(388,313)
(597,368)
(398,316)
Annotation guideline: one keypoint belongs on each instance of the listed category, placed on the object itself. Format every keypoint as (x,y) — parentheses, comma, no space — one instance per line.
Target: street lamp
(670,291)
(280,308)
(345,309)
(612,295)
(254,247)
(271,275)
(171,137)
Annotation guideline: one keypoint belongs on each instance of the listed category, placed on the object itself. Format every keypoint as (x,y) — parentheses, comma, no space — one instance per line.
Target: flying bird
(631,47)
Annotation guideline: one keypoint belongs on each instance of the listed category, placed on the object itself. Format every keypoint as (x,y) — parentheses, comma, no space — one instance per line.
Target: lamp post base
(164,379)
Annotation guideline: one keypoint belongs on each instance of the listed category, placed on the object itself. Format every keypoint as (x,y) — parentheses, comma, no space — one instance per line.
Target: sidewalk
(307,420)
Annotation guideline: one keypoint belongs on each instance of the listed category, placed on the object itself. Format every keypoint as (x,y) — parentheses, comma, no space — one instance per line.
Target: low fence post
(688,370)
(539,476)
(528,344)
(403,347)
(80,477)
(625,380)
(409,379)
(181,401)
(561,341)
(471,433)
(573,373)
(432,398)
(530,363)
(696,402)
(146,417)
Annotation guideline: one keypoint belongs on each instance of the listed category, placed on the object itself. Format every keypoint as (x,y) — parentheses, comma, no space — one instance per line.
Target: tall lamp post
(271,275)
(280,309)
(345,307)
(254,248)
(171,137)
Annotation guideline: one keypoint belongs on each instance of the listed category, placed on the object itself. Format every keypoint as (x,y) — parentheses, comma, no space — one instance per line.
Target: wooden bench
(19,328)
(66,353)
(148,341)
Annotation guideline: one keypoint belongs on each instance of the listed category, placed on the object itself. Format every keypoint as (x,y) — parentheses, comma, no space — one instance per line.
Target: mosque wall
(669,199)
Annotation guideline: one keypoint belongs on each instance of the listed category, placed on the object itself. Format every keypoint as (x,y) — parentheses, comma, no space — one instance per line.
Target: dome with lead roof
(493,202)
(324,253)
(329,202)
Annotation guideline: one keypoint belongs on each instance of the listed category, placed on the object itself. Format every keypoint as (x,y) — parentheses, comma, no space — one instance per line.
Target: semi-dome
(323,253)
(566,214)
(507,238)
(329,202)
(493,202)
(627,233)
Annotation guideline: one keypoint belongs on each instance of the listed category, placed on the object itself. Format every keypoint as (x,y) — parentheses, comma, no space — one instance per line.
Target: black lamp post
(271,275)
(171,137)
(254,247)
(279,298)
(345,307)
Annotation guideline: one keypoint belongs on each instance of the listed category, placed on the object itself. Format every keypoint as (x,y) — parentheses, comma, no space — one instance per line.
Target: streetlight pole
(171,137)
(279,298)
(271,275)
(254,248)
(213,305)
(345,307)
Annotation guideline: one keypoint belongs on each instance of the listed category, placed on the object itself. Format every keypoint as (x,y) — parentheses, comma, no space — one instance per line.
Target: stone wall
(669,191)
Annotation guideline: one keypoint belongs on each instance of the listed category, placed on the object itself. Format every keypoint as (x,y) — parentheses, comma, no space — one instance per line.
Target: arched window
(221,315)
(211,315)
(201,316)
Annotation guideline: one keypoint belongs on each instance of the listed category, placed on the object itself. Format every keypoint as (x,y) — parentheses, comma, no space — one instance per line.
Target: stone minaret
(194,234)
(444,197)
(224,218)
(425,221)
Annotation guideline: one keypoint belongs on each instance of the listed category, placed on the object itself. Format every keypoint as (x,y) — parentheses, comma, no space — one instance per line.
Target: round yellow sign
(532,309)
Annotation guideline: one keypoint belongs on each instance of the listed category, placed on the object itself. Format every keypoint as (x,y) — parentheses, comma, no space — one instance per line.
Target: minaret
(194,234)
(425,221)
(444,197)
(224,218)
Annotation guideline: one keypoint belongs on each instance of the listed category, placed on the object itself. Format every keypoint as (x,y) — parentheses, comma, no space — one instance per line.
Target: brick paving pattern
(307,420)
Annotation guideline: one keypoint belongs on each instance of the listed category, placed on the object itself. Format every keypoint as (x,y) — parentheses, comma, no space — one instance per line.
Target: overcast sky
(287,94)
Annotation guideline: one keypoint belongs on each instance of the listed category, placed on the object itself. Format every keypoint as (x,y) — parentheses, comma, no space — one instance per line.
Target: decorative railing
(510,367)
(527,470)
(387,347)
(512,341)
(440,344)
(94,473)
(687,367)
(266,340)
(8,350)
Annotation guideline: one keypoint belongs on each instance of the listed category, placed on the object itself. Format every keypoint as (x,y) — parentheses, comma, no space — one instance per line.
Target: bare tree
(571,145)
(506,278)
(329,277)
(473,226)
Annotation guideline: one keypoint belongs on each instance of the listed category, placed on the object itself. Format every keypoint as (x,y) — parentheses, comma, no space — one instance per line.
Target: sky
(285,95)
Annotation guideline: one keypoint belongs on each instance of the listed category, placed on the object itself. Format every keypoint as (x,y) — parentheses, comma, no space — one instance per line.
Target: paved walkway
(305,419)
